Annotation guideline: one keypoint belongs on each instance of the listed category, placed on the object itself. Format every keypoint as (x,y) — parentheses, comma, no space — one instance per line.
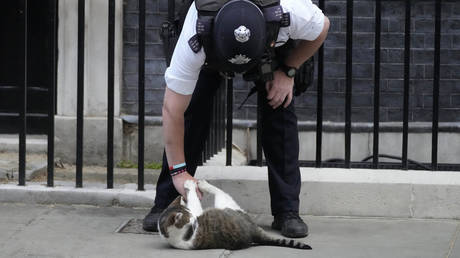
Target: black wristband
(177,169)
(177,172)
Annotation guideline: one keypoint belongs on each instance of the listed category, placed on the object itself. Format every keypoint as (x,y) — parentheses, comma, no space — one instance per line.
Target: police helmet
(239,35)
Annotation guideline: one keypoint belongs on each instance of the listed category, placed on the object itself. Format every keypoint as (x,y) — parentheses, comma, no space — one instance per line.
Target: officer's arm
(280,89)
(173,125)
(306,49)
(174,106)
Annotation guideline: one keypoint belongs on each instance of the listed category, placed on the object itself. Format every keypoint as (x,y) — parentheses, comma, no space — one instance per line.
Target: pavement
(351,213)
(32,230)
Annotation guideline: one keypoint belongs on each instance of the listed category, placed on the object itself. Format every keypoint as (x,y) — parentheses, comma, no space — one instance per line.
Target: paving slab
(90,231)
(370,237)
(19,213)
(454,251)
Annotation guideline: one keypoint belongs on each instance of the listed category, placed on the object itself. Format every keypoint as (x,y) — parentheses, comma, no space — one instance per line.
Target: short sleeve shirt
(307,22)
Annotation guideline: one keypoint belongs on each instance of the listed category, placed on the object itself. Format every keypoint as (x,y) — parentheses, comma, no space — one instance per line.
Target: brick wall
(392,69)
(155,65)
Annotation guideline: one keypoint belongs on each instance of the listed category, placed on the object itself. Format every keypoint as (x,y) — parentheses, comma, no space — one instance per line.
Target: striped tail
(264,239)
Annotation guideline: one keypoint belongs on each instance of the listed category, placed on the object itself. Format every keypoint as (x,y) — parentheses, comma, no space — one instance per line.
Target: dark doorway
(41,39)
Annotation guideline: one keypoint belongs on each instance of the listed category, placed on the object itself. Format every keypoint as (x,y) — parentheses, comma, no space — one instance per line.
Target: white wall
(95,81)
(96,35)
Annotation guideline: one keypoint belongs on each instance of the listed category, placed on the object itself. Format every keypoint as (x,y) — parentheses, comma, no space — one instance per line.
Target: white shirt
(307,22)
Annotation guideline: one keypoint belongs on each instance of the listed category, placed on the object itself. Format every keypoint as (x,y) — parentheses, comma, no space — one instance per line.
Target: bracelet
(178,169)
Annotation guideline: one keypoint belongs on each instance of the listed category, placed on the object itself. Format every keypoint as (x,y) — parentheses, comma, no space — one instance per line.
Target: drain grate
(133,226)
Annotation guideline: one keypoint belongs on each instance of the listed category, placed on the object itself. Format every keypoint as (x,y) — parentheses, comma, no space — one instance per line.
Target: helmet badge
(239,59)
(242,34)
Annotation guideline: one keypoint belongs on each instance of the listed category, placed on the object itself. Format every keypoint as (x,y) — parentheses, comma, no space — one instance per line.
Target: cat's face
(173,218)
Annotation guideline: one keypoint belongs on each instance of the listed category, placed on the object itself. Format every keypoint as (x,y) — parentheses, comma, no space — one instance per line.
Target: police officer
(191,82)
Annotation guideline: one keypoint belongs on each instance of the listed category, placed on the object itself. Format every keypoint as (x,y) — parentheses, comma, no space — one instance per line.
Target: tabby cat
(226,226)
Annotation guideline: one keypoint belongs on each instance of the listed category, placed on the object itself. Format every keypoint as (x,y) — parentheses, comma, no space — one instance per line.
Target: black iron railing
(404,163)
(222,115)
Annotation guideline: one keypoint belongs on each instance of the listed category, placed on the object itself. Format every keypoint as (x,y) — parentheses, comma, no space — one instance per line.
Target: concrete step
(239,158)
(65,192)
(325,192)
(34,143)
(348,192)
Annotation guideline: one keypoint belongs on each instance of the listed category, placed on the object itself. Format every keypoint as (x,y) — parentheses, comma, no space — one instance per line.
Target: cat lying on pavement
(225,226)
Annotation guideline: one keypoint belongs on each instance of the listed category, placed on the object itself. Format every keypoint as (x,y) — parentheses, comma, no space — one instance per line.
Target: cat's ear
(176,201)
(182,201)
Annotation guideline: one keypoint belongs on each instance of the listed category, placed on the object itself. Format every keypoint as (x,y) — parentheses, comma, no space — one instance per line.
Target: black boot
(151,220)
(290,224)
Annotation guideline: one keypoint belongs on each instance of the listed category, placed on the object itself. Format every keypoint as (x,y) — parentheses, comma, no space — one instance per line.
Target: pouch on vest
(304,77)
(170,29)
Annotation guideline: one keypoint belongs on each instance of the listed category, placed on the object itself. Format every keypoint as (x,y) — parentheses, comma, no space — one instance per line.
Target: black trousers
(280,143)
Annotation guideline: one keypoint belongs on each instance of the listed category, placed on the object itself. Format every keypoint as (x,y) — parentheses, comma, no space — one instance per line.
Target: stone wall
(392,68)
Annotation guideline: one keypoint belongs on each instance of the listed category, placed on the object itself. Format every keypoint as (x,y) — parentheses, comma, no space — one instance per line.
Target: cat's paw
(190,185)
(203,185)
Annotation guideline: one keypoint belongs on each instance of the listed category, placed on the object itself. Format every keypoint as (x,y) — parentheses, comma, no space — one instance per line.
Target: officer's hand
(279,90)
(179,180)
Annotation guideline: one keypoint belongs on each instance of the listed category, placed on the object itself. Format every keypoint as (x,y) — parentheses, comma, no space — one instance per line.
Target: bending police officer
(238,36)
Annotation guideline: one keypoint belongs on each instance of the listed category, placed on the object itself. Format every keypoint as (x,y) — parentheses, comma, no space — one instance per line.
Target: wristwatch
(288,70)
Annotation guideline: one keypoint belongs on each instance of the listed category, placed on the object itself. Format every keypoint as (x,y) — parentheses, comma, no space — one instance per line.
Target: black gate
(26,83)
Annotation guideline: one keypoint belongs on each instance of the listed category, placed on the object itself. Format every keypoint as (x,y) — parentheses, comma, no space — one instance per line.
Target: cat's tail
(263,238)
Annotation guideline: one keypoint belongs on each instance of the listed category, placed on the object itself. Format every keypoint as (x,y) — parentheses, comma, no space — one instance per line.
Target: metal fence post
(319,104)
(436,78)
(406,85)
(80,92)
(349,78)
(23,111)
(229,86)
(378,21)
(141,94)
(52,95)
(110,93)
